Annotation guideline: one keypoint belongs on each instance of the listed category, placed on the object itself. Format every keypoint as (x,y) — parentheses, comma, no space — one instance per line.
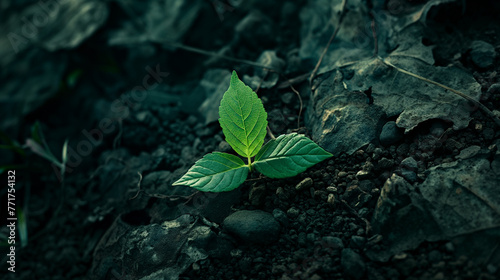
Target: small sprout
(244,121)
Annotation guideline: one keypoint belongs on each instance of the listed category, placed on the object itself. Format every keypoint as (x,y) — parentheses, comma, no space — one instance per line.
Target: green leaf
(215,172)
(288,155)
(242,118)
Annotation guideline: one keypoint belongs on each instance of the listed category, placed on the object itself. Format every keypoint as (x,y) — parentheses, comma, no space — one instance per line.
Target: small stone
(293,212)
(491,269)
(482,54)
(332,242)
(306,183)
(352,264)
(236,253)
(287,97)
(352,193)
(342,174)
(494,88)
(449,247)
(315,277)
(253,226)
(488,133)
(362,175)
(331,199)
(439,276)
(280,216)
(390,134)
(257,195)
(281,194)
(332,189)
(409,163)
(358,241)
(469,152)
(385,164)
(410,176)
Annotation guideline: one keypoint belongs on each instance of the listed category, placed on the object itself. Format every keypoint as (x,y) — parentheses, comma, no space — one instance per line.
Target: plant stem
(250,164)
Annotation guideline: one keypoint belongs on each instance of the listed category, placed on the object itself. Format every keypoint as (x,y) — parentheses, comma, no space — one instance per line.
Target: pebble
(449,247)
(253,226)
(352,264)
(293,212)
(358,241)
(494,88)
(333,242)
(385,163)
(491,269)
(281,217)
(306,183)
(390,134)
(287,97)
(362,175)
(332,189)
(331,199)
(482,54)
(469,152)
(409,163)
(342,174)
(280,192)
(257,195)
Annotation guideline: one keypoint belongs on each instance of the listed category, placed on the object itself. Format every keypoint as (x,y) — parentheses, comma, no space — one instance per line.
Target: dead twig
(270,133)
(209,53)
(301,105)
(138,186)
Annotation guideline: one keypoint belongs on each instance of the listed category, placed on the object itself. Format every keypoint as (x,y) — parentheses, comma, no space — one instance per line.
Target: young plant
(244,121)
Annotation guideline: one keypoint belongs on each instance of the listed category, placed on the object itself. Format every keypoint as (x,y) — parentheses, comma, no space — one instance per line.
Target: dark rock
(385,164)
(494,88)
(409,163)
(253,226)
(482,54)
(488,133)
(257,195)
(123,244)
(469,152)
(287,97)
(332,242)
(358,241)
(352,264)
(293,212)
(390,134)
(281,217)
(346,125)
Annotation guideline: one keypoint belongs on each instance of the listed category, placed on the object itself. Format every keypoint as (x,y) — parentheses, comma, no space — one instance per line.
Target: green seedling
(244,121)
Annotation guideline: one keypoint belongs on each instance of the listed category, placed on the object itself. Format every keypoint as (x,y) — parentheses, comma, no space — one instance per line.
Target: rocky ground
(411,192)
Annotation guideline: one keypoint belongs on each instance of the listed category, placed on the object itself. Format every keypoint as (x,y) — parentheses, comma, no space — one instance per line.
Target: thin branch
(301,105)
(337,28)
(138,186)
(209,53)
(270,132)
(470,99)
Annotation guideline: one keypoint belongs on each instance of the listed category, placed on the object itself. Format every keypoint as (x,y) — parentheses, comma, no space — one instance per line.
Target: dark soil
(66,221)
